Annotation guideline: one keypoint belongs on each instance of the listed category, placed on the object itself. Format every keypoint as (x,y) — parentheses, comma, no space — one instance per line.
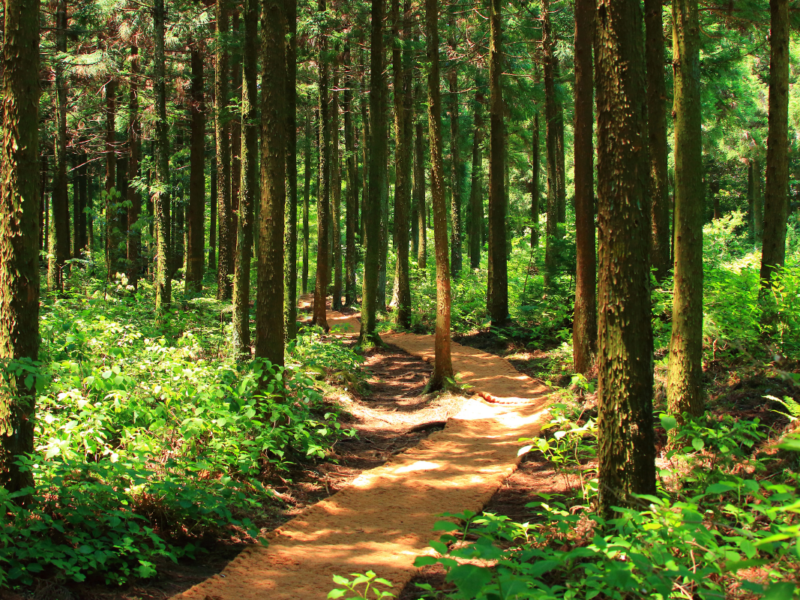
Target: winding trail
(385,518)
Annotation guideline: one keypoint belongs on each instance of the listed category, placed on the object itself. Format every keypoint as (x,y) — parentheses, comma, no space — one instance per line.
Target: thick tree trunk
(498,299)
(626,449)
(776,197)
(657,138)
(163,282)
(269,316)
(306,190)
(19,214)
(584,328)
(249,183)
(377,167)
(456,166)
(352,187)
(134,197)
(476,187)
(324,192)
(290,228)
(442,366)
(223,128)
(684,382)
(551,146)
(336,182)
(195,250)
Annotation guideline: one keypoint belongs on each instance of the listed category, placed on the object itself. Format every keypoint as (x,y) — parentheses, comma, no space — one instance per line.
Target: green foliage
(368,582)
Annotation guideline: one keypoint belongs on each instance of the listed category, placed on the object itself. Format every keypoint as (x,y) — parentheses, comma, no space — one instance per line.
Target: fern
(791,405)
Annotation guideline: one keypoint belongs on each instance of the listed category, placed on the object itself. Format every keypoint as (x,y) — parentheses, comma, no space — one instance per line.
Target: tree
(442,366)
(351,208)
(247,189)
(197,180)
(626,449)
(269,316)
(773,253)
(290,243)
(336,181)
(222,126)
(306,190)
(476,187)
(419,187)
(377,166)
(684,382)
(134,197)
(60,203)
(457,167)
(19,237)
(552,114)
(657,137)
(163,282)
(498,298)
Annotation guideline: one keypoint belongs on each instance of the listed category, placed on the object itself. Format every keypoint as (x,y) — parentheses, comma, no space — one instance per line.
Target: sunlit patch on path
(386,517)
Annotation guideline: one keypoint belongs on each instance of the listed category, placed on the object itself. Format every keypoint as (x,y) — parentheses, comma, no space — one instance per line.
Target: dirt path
(385,518)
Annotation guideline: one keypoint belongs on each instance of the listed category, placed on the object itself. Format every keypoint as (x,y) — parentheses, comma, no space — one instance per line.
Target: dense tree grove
(614,181)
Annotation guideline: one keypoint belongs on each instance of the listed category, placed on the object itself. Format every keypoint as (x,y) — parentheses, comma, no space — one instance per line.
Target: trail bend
(385,518)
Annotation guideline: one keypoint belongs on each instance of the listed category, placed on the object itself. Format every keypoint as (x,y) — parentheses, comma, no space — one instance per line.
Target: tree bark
(212,218)
(535,177)
(111,241)
(684,382)
(163,282)
(60,201)
(336,181)
(498,299)
(19,214)
(306,190)
(249,182)
(352,187)
(377,167)
(476,187)
(584,328)
(419,190)
(442,366)
(626,449)
(269,316)
(83,180)
(134,197)
(234,61)
(195,251)
(223,128)
(290,241)
(657,138)
(551,146)
(758,201)
(457,168)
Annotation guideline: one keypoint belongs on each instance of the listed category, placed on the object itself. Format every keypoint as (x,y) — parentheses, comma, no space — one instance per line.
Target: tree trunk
(456,164)
(684,381)
(269,316)
(758,201)
(352,187)
(83,218)
(377,167)
(212,218)
(111,241)
(43,217)
(134,197)
(223,128)
(249,182)
(366,138)
(323,195)
(584,328)
(476,187)
(657,138)
(498,299)
(626,449)
(561,171)
(306,190)
(290,228)
(535,177)
(336,181)
(750,200)
(419,190)
(19,214)
(163,282)
(60,201)
(236,138)
(442,366)
(776,197)
(197,181)
(401,61)
(551,147)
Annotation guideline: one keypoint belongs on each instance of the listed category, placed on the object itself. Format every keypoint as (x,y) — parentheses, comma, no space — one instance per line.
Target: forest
(415,299)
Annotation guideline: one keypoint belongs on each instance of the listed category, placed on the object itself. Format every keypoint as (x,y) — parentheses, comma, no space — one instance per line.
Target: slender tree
(336,184)
(60,201)
(134,197)
(498,298)
(223,129)
(456,165)
(626,449)
(306,193)
(584,328)
(773,253)
(247,188)
(290,243)
(352,186)
(419,189)
(163,282)
(269,316)
(212,217)
(684,382)
(758,201)
(442,366)
(19,214)
(476,187)
(195,247)
(551,114)
(535,177)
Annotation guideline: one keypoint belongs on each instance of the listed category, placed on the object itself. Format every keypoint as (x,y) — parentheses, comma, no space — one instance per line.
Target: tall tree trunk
(401,61)
(377,166)
(684,382)
(384,246)
(111,178)
(234,59)
(626,449)
(134,197)
(43,218)
(336,181)
(60,202)
(456,166)
(442,366)
(584,328)
(751,199)
(323,195)
(476,187)
(76,208)
(365,140)
(535,177)
(657,138)
(249,181)
(163,282)
(269,316)
(551,146)
(83,181)
(306,190)
(290,243)
(498,299)
(197,181)
(352,187)
(223,127)
(419,190)
(776,197)
(212,218)
(561,170)
(19,213)
(758,200)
